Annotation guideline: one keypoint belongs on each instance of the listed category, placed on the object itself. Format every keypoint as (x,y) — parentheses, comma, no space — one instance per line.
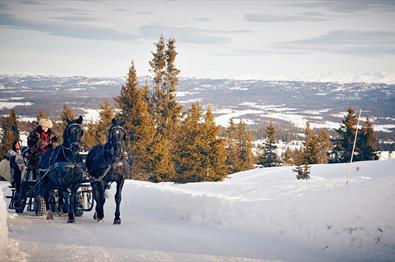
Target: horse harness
(110,164)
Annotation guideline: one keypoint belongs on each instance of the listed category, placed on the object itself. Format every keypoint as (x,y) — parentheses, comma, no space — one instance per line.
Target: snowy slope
(258,214)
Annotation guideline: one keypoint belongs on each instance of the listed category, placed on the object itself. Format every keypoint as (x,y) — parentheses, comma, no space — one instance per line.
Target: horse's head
(72,134)
(116,139)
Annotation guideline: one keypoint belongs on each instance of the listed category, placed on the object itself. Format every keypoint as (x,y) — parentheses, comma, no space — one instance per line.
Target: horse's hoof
(49,215)
(117,221)
(70,221)
(98,217)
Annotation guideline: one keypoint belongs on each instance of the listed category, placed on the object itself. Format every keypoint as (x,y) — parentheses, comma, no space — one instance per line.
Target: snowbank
(354,220)
(262,213)
(3,226)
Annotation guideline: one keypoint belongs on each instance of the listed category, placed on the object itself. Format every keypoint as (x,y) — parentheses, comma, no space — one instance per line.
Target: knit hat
(45,123)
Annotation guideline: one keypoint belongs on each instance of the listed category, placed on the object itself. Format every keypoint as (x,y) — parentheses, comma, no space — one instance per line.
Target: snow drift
(3,225)
(354,220)
(262,213)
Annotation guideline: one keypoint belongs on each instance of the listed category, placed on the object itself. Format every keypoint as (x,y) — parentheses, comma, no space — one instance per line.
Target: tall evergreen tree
(90,134)
(171,83)
(311,146)
(67,113)
(344,141)
(10,132)
(201,153)
(367,143)
(143,132)
(190,147)
(96,133)
(138,122)
(325,145)
(158,67)
(232,160)
(216,155)
(267,155)
(166,110)
(244,138)
(106,115)
(287,156)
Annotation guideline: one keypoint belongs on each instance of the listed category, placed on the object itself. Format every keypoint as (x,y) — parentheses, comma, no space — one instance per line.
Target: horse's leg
(98,193)
(66,202)
(60,203)
(95,193)
(118,198)
(72,203)
(47,206)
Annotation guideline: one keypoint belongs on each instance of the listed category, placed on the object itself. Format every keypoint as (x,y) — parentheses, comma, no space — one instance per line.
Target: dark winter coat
(38,142)
(41,141)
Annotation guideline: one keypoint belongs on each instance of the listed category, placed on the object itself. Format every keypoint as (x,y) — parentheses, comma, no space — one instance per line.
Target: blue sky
(237,39)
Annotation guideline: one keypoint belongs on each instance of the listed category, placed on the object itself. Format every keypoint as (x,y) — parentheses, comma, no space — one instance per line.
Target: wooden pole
(353,147)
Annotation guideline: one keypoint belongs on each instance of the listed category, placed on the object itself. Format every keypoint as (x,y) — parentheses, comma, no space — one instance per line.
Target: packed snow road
(261,214)
(141,237)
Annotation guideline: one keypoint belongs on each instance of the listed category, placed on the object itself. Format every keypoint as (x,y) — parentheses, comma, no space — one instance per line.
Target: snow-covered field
(258,214)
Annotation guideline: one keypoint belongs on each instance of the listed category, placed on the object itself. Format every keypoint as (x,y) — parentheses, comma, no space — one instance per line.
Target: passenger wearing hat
(40,140)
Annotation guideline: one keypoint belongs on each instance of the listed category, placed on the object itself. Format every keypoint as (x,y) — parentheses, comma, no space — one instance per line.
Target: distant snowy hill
(258,214)
(336,77)
(288,103)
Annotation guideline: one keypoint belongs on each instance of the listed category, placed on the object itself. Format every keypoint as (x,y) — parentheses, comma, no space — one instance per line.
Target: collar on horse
(108,162)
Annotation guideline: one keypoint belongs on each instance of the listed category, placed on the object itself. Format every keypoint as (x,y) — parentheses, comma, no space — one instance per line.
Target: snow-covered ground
(258,214)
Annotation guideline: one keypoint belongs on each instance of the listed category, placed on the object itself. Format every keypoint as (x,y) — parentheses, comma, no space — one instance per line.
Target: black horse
(106,164)
(62,168)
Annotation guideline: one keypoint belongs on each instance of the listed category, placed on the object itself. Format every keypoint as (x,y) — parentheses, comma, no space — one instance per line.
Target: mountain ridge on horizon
(335,77)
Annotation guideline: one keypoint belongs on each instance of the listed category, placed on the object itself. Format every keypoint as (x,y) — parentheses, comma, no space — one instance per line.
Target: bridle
(116,130)
(71,143)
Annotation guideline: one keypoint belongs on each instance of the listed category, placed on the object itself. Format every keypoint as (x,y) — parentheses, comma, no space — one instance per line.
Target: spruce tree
(143,132)
(344,141)
(302,167)
(165,109)
(158,67)
(267,156)
(190,147)
(244,139)
(90,134)
(325,145)
(106,115)
(138,123)
(171,82)
(311,146)
(200,150)
(67,113)
(287,156)
(10,132)
(232,160)
(367,143)
(214,153)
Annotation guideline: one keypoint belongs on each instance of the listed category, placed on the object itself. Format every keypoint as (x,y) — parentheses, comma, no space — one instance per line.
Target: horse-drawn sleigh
(62,182)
